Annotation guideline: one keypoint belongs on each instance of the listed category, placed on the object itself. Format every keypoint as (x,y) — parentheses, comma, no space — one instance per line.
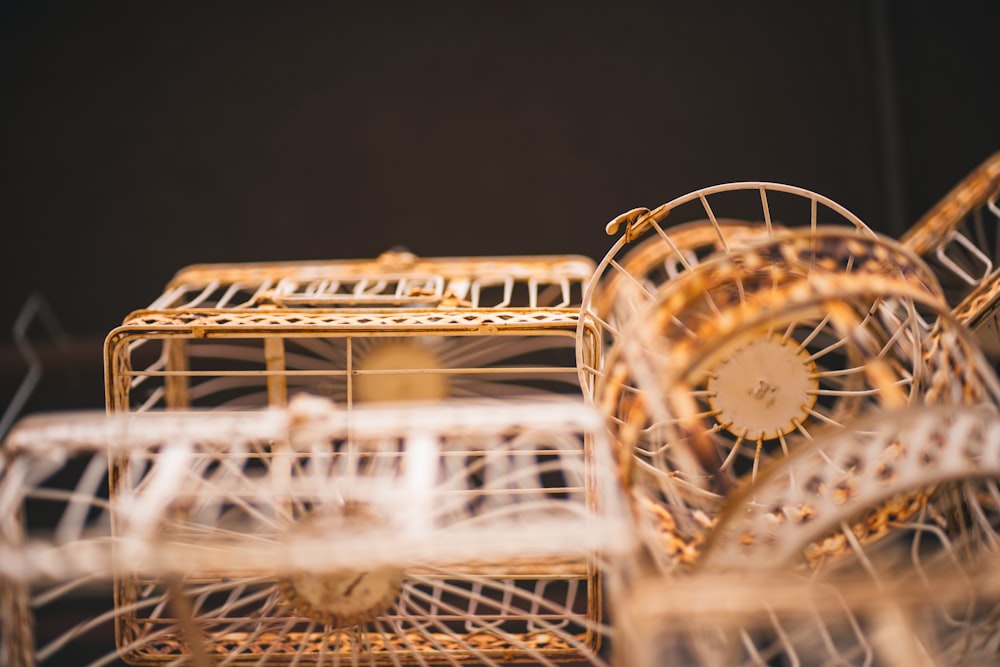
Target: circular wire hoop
(657,246)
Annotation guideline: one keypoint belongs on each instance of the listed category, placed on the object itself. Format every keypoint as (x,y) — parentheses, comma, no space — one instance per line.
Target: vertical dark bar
(896,216)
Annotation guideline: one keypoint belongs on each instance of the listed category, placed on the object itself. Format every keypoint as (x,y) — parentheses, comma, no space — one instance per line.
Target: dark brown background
(140,137)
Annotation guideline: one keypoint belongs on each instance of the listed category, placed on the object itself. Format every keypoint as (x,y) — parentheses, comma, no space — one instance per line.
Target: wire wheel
(658,246)
(749,352)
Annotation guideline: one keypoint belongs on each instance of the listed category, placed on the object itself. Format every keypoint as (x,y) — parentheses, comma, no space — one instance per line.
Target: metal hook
(629,218)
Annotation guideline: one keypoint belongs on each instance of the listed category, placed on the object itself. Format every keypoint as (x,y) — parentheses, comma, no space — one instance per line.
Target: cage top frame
(395,279)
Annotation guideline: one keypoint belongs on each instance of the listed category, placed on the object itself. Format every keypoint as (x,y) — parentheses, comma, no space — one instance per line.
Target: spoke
(833,347)
(823,418)
(387,637)
(476,621)
(731,456)
(767,211)
(783,442)
(632,279)
(756,458)
(670,243)
(815,332)
(42,599)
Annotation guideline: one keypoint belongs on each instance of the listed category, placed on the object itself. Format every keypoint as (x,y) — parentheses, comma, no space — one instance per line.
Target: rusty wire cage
(455,534)
(394,328)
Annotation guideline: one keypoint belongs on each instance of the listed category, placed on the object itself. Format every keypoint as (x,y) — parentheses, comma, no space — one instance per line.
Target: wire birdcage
(451,534)
(394,328)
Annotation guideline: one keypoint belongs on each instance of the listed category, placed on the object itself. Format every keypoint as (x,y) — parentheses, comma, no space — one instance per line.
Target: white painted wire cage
(455,534)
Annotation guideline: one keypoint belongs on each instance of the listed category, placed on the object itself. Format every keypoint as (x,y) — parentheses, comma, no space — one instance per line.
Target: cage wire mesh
(453,534)
(959,239)
(877,544)
(394,328)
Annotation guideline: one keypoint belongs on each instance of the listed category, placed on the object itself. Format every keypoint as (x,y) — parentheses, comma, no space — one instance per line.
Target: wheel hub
(764,388)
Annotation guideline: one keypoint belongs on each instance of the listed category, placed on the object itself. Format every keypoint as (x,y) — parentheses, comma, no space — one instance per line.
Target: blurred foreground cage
(909,490)
(454,534)
(394,328)
(726,620)
(876,545)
